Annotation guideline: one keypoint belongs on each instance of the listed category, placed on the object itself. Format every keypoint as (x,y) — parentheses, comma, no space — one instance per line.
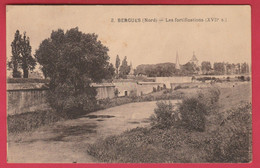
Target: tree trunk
(25,73)
(16,73)
(117,75)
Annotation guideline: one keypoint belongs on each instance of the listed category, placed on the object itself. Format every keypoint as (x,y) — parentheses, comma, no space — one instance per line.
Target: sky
(228,40)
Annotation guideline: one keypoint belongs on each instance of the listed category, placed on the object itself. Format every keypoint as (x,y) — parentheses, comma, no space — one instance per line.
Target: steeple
(177,64)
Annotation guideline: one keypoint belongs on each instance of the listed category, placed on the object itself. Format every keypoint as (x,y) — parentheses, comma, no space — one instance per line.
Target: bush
(164,86)
(166,91)
(133,94)
(64,99)
(165,116)
(203,79)
(233,139)
(108,103)
(116,92)
(193,114)
(228,79)
(241,78)
(210,98)
(177,87)
(181,87)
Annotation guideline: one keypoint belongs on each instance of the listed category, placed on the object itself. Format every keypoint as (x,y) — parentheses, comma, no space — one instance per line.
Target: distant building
(194,60)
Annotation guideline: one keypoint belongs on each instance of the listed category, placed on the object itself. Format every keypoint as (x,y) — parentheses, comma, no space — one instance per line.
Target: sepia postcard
(129,84)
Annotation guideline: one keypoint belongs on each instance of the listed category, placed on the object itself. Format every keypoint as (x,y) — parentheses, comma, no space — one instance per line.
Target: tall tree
(156,70)
(219,68)
(21,55)
(228,68)
(244,68)
(117,64)
(124,68)
(238,68)
(233,68)
(27,61)
(188,69)
(110,72)
(73,60)
(15,59)
(205,67)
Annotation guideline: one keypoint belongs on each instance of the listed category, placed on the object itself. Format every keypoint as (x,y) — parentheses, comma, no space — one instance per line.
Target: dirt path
(67,141)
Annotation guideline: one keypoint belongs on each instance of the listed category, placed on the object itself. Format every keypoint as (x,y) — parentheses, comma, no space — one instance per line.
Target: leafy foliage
(233,139)
(28,62)
(162,69)
(245,68)
(117,65)
(193,114)
(31,120)
(21,55)
(73,60)
(14,63)
(124,68)
(164,115)
(219,68)
(205,67)
(188,69)
(209,98)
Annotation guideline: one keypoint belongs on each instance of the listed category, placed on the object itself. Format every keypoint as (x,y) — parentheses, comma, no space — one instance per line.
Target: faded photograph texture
(129,84)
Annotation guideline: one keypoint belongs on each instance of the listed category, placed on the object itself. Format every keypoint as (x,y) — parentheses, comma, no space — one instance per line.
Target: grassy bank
(225,139)
(31,120)
(27,80)
(176,145)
